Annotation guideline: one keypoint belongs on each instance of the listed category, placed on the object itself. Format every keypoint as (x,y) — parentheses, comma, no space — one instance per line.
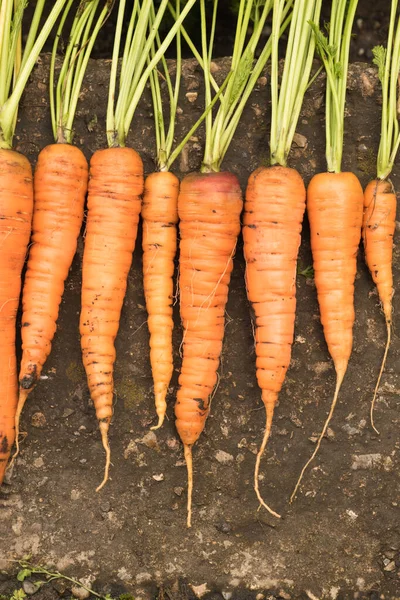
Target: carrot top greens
(388,63)
(15,66)
(334,52)
(136,66)
(221,128)
(287,98)
(64,98)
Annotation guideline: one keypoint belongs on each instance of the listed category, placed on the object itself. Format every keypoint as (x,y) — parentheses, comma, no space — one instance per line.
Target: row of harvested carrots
(208,206)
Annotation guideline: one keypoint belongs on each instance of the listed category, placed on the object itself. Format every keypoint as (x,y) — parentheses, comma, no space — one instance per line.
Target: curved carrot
(60,186)
(209,208)
(16,205)
(379,223)
(160,216)
(273,215)
(116,182)
(335,212)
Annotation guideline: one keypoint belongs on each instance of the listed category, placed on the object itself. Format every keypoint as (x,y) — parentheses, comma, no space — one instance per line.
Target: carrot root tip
(104,427)
(269,415)
(189,466)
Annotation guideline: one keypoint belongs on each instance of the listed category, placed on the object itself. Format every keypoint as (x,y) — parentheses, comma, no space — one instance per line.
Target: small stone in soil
(38,420)
(223,457)
(223,527)
(29,587)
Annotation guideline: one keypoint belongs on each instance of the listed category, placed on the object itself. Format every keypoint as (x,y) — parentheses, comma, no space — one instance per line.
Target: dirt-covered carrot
(114,203)
(334,208)
(380,201)
(209,208)
(60,186)
(16,194)
(274,209)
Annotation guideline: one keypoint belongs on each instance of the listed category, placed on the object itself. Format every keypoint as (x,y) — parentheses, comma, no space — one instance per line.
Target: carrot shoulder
(160,217)
(116,182)
(209,208)
(16,204)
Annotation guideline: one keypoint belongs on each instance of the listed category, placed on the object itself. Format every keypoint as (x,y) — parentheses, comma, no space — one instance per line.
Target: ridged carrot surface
(335,212)
(379,223)
(115,185)
(16,205)
(160,216)
(273,215)
(60,186)
(209,208)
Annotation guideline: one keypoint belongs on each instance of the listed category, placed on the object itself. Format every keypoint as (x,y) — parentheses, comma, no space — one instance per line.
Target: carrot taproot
(160,216)
(60,186)
(209,207)
(113,208)
(335,213)
(272,223)
(16,206)
(379,223)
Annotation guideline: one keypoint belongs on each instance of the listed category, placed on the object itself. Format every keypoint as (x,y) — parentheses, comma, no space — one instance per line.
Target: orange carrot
(160,216)
(379,224)
(16,205)
(273,216)
(60,185)
(335,212)
(116,182)
(209,208)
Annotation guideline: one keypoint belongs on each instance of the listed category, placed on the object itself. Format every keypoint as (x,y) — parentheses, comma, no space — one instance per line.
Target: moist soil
(341,537)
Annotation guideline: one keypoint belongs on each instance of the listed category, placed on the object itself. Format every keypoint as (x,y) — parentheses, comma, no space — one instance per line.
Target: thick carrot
(116,182)
(60,186)
(16,205)
(379,222)
(274,208)
(160,216)
(209,208)
(335,212)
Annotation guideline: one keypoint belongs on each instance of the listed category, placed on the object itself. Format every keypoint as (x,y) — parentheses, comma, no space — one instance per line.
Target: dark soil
(339,540)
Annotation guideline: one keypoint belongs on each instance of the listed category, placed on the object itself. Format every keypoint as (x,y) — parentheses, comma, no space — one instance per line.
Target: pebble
(199,590)
(131,449)
(38,462)
(226,595)
(149,440)
(300,140)
(391,566)
(67,413)
(38,420)
(191,96)
(223,457)
(79,592)
(284,595)
(29,587)
(60,585)
(366,461)
(178,491)
(159,477)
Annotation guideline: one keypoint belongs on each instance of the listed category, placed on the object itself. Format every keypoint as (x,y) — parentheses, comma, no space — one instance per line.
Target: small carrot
(379,196)
(335,208)
(160,216)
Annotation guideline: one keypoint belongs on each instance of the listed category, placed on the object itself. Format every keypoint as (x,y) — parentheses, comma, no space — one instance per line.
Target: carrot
(379,196)
(335,209)
(113,208)
(160,216)
(16,205)
(274,209)
(209,208)
(114,203)
(60,187)
(16,195)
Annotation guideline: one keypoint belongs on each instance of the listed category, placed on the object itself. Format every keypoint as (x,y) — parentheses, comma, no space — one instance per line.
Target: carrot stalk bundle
(334,208)
(272,223)
(379,196)
(114,204)
(16,195)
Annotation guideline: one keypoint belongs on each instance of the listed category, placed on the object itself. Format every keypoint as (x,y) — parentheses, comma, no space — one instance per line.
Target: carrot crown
(138,61)
(388,63)
(64,96)
(287,99)
(334,53)
(15,66)
(244,73)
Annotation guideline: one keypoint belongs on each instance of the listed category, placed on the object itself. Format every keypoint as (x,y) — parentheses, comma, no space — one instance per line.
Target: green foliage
(307,272)
(379,60)
(23,574)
